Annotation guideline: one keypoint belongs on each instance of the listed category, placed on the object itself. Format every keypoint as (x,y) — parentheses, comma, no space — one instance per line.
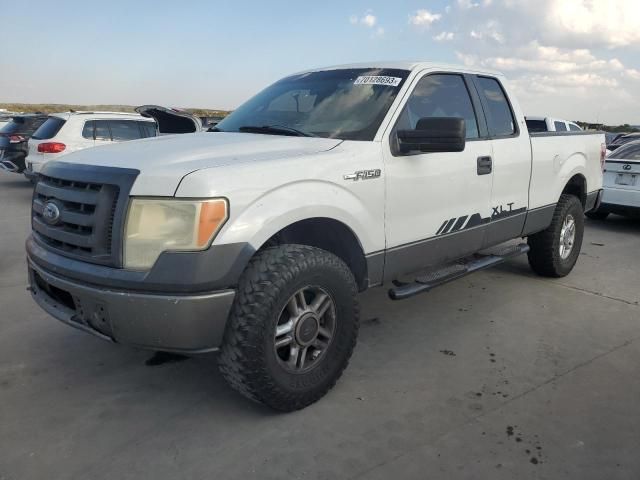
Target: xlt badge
(363,175)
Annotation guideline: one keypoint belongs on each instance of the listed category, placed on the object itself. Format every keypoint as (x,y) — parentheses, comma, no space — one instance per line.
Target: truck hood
(164,161)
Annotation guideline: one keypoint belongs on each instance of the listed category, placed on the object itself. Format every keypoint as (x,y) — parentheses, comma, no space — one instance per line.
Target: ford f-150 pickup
(255,238)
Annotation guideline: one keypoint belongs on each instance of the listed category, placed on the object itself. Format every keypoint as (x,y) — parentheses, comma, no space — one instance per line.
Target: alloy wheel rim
(305,329)
(567,236)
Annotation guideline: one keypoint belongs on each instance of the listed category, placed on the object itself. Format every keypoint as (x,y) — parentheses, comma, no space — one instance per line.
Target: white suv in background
(63,133)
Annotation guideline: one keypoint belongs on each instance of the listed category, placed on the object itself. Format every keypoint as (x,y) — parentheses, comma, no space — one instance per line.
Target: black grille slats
(86,216)
(92,201)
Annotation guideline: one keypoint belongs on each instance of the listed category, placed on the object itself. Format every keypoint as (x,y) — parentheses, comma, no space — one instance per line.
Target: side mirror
(436,134)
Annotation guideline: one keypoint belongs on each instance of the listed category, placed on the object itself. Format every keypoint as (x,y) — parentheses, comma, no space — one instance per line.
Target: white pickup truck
(255,238)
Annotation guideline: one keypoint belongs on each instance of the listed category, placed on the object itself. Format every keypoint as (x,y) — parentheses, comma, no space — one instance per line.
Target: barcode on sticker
(377,80)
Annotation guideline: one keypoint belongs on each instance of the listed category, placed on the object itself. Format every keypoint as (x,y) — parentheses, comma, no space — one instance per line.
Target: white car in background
(621,183)
(550,124)
(67,132)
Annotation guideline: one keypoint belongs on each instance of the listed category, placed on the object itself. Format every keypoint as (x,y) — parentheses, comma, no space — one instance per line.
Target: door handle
(485,165)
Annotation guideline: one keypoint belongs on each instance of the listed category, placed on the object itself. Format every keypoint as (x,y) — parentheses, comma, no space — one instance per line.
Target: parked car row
(14,136)
(622,139)
(63,133)
(29,141)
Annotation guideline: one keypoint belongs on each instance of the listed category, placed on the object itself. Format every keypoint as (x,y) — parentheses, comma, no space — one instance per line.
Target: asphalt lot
(501,375)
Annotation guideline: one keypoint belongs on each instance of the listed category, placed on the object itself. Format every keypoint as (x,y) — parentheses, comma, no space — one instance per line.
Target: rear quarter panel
(557,157)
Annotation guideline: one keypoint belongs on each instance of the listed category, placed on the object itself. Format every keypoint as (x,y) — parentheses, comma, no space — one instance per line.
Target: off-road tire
(247,358)
(544,254)
(597,215)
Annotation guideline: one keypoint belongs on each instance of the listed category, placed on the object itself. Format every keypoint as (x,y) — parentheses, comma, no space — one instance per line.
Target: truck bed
(557,156)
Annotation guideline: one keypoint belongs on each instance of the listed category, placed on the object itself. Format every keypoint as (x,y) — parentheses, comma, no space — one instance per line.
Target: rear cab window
(499,115)
(560,126)
(49,128)
(536,126)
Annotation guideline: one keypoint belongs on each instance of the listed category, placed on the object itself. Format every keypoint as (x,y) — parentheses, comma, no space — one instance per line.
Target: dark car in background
(610,137)
(622,140)
(13,140)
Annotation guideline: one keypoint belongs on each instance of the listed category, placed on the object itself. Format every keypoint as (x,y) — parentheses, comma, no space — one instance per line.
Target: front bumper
(192,323)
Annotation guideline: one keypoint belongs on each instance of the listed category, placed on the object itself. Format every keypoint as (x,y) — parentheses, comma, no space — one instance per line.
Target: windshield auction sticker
(376,80)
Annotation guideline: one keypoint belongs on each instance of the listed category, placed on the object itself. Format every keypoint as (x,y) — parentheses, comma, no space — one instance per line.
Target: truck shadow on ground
(158,379)
(18,183)
(615,223)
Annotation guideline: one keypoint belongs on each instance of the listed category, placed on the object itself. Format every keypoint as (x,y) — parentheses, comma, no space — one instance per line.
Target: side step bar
(479,261)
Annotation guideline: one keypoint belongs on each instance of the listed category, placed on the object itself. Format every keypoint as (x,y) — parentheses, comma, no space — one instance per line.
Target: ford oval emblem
(51,213)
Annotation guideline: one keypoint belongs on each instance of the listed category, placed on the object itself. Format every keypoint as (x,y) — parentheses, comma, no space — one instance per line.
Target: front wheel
(554,251)
(292,328)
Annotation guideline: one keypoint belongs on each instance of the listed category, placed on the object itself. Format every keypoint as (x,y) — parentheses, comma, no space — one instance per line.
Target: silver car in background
(621,193)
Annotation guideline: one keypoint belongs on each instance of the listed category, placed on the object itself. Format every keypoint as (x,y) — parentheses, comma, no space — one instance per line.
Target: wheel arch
(577,185)
(328,234)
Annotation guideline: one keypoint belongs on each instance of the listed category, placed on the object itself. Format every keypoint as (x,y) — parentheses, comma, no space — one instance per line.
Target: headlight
(157,225)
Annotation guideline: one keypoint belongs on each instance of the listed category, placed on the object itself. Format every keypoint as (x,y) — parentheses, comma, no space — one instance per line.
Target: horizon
(575,59)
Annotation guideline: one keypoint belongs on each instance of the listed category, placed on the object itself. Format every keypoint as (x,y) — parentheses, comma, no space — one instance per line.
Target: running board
(479,261)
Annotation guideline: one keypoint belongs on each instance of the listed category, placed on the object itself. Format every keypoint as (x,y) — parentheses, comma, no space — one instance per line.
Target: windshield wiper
(275,130)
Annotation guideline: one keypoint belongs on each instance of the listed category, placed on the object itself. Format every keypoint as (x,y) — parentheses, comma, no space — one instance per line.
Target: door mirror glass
(434,134)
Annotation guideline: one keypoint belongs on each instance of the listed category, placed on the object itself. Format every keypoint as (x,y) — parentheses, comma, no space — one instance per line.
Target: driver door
(437,204)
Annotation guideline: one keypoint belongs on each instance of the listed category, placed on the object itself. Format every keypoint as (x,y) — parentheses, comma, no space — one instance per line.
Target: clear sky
(578,59)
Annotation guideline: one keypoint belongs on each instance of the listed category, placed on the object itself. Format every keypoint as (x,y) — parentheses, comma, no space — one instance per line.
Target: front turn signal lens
(213,214)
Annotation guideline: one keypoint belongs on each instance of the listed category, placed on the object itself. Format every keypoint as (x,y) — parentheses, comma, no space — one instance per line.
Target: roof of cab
(408,65)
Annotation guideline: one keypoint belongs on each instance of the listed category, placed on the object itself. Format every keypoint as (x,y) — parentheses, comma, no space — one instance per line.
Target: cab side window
(439,95)
(560,126)
(500,119)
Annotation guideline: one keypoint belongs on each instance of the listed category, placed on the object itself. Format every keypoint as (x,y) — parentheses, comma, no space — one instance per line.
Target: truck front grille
(81,213)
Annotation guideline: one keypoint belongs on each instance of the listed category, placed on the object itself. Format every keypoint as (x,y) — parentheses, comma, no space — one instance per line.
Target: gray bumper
(187,323)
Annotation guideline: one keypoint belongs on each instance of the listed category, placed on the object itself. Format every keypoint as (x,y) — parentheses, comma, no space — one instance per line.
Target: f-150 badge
(363,175)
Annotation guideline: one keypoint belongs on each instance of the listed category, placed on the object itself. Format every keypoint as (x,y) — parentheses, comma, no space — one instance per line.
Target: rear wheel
(292,328)
(554,251)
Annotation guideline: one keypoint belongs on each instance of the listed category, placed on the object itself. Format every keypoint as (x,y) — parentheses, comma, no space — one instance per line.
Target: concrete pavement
(501,375)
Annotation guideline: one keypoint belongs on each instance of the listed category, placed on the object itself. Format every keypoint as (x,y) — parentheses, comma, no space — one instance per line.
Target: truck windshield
(347,104)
